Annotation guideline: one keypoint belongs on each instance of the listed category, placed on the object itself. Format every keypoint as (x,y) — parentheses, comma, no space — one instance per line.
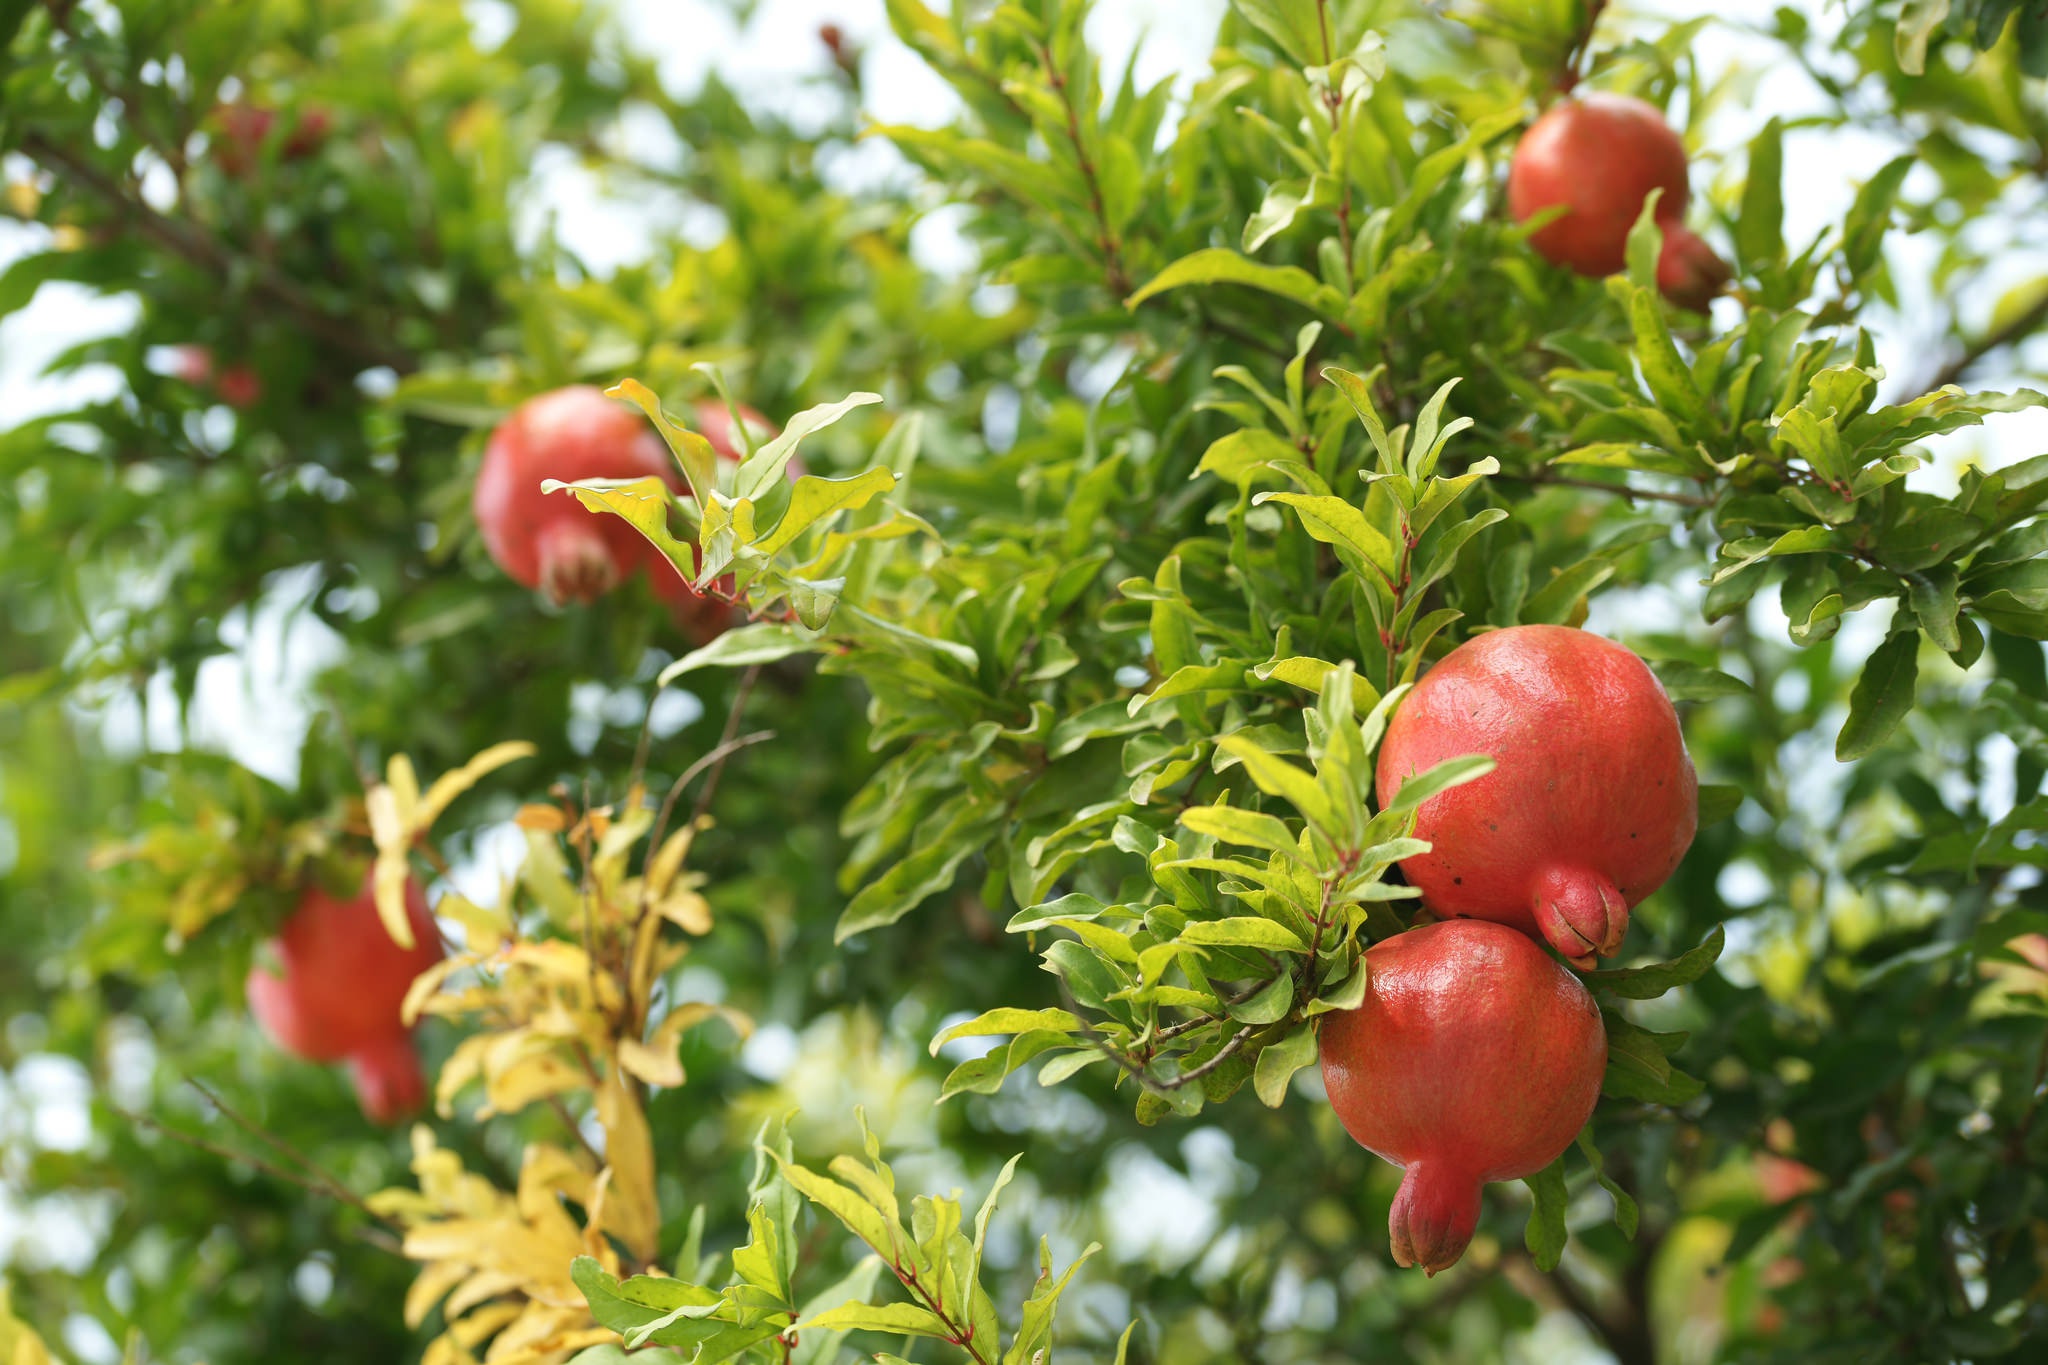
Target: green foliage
(1077,641)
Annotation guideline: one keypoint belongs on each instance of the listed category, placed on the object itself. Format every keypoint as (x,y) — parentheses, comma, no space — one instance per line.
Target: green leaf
(1237,826)
(1284,200)
(1245,453)
(1294,25)
(1627,1216)
(901,1319)
(1279,1061)
(813,499)
(763,469)
(1760,231)
(1647,983)
(761,643)
(1670,379)
(1545,1234)
(1277,777)
(1220,265)
(1417,788)
(1243,931)
(1918,21)
(1933,596)
(1694,682)
(1003,1021)
(1717,803)
(1639,1068)
(698,460)
(1882,696)
(1336,522)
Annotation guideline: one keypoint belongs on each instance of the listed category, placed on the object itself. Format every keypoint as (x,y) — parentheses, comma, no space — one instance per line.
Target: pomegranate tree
(553,542)
(333,989)
(1474,1057)
(1598,157)
(1592,801)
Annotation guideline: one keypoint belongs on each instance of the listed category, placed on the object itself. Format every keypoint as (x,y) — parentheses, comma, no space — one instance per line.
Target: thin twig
(1112,250)
(1131,1065)
(576,1130)
(2017,329)
(312,1168)
(1333,104)
(726,746)
(375,1236)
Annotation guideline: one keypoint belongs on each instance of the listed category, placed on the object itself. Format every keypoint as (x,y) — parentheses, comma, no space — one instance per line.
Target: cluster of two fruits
(1475,1056)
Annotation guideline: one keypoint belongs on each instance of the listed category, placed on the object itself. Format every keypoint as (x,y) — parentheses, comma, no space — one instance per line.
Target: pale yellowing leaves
(399,814)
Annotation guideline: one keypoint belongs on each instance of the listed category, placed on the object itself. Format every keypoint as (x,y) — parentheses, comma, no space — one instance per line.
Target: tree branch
(2016,330)
(204,250)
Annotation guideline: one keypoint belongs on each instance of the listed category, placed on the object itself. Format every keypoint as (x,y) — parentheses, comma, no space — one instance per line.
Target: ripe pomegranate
(1473,1058)
(1590,808)
(243,129)
(338,990)
(390,1083)
(239,386)
(1598,156)
(551,541)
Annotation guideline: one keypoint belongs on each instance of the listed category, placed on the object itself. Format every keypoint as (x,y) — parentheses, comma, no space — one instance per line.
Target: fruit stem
(1568,74)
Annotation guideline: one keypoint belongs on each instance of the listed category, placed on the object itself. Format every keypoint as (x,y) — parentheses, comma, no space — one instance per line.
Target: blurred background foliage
(234,580)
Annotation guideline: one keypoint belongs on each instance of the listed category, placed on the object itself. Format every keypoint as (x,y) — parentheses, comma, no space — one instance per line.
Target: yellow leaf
(541,819)
(631,1213)
(404,783)
(433,1284)
(662,868)
(521,1067)
(390,876)
(19,1344)
(484,930)
(451,785)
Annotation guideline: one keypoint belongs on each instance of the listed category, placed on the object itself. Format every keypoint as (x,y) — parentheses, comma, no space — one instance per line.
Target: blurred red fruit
(551,541)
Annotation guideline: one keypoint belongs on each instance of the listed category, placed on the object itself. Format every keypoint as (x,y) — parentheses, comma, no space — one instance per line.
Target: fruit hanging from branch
(1592,802)
(334,988)
(1473,1058)
(1598,157)
(554,543)
(243,129)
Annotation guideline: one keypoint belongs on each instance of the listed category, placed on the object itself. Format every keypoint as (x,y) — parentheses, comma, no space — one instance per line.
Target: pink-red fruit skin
(1592,802)
(551,541)
(1598,156)
(1474,1057)
(333,989)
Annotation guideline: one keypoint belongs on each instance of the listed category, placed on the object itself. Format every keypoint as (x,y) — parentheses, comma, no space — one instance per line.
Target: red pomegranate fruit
(1598,156)
(1591,805)
(243,129)
(338,989)
(389,1081)
(551,541)
(1473,1058)
(240,387)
